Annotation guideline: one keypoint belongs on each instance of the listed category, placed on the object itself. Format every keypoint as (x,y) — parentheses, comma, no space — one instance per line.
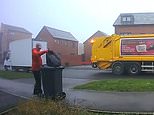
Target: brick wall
(138,29)
(87,50)
(71,60)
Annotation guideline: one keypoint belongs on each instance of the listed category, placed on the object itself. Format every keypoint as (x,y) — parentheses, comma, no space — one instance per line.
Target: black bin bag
(52,59)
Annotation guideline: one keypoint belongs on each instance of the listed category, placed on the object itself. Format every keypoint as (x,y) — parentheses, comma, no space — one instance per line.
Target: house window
(142,33)
(73,44)
(57,41)
(127,19)
(11,33)
(125,33)
(72,54)
(60,41)
(65,43)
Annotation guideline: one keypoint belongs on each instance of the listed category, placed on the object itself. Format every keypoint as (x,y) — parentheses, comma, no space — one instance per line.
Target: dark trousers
(37,86)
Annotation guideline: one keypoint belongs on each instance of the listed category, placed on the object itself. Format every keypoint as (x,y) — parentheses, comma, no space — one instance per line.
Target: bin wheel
(60,96)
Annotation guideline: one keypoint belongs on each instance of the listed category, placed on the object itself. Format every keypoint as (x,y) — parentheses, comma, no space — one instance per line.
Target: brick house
(61,42)
(87,45)
(10,33)
(134,23)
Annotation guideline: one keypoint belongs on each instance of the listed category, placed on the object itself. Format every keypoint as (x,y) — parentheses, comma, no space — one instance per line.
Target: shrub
(46,107)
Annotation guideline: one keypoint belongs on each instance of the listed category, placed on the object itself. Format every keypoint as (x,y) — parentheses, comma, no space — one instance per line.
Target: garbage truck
(21,53)
(129,54)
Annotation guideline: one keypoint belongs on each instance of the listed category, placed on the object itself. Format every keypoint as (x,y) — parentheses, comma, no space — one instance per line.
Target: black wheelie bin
(52,77)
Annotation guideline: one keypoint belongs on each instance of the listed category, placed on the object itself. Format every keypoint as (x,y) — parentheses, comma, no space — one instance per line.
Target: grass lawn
(120,85)
(14,75)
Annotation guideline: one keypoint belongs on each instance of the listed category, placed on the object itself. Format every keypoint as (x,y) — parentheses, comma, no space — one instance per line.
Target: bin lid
(49,67)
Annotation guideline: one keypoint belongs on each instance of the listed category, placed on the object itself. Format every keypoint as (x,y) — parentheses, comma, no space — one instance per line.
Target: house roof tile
(139,18)
(15,28)
(97,34)
(61,34)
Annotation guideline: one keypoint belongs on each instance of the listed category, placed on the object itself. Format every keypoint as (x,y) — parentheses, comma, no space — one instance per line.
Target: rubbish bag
(52,59)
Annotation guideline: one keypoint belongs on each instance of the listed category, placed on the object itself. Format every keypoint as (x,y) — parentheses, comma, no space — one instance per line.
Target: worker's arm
(39,53)
(42,52)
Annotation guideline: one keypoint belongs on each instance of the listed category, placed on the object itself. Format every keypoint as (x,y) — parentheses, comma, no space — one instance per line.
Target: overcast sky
(80,17)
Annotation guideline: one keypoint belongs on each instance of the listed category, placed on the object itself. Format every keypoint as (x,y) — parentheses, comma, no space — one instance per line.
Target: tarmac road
(87,72)
(106,101)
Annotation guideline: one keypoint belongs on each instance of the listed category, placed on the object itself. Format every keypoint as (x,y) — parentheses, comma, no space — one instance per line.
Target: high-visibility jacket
(36,59)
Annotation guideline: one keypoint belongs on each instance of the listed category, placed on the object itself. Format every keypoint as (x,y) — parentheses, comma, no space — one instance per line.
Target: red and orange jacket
(36,59)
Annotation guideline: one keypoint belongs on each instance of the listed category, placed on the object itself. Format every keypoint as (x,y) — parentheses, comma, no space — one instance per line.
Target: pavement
(95,100)
(8,101)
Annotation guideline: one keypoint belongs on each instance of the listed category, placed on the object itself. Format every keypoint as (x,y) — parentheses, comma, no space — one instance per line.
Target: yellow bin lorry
(124,54)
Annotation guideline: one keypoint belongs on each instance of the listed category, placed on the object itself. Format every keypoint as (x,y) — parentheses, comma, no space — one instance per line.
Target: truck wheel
(94,65)
(134,68)
(118,68)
